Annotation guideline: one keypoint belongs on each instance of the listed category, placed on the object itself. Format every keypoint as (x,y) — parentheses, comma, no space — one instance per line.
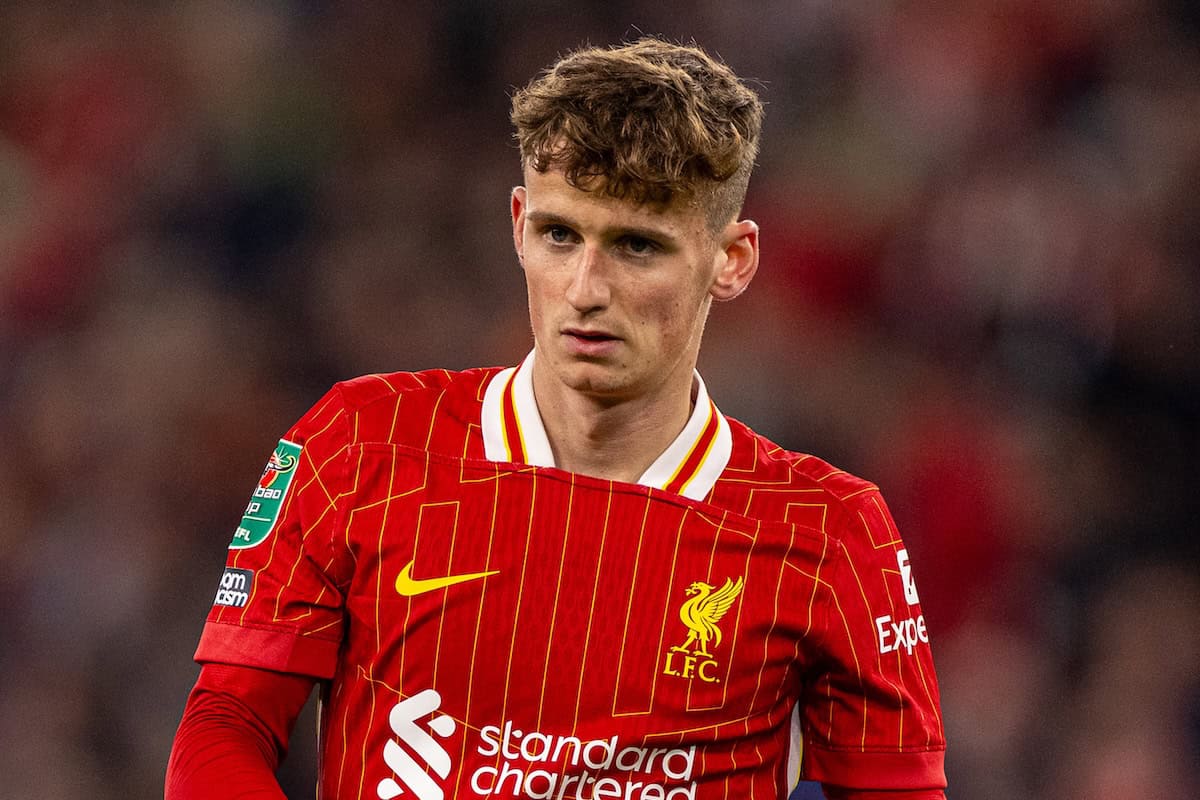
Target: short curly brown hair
(649,121)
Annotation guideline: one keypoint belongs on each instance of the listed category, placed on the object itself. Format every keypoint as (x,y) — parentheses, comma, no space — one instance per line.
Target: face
(619,293)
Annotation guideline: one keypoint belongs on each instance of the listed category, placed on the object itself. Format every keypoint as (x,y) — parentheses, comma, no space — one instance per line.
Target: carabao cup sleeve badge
(263,509)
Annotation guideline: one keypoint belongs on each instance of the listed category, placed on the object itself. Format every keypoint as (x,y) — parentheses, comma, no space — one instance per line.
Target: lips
(589,336)
(590,343)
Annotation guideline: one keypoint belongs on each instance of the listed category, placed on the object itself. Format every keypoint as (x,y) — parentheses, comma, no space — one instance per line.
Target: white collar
(513,431)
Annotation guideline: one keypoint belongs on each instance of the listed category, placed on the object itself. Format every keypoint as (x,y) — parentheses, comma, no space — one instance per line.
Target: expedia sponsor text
(906,634)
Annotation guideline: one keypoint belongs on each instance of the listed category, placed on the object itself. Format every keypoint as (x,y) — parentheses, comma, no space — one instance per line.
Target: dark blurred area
(980,289)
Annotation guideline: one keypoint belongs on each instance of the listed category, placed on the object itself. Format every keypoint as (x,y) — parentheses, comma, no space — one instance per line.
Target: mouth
(589,335)
(590,343)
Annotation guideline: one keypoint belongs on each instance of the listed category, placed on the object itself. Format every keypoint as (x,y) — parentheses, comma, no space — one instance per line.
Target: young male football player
(574,578)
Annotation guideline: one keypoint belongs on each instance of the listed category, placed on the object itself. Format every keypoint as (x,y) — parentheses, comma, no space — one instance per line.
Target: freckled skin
(642,278)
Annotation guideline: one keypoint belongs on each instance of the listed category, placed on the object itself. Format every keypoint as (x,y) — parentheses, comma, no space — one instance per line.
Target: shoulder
(367,391)
(762,464)
(764,480)
(403,407)
(773,462)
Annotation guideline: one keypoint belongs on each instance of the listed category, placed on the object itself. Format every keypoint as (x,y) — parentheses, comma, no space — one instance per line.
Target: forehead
(549,193)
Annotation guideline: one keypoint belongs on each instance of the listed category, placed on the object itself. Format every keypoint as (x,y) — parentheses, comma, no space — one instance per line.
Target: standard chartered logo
(544,766)
(410,775)
(522,763)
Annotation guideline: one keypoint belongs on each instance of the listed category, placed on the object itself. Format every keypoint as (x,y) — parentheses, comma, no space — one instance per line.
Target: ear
(737,259)
(518,222)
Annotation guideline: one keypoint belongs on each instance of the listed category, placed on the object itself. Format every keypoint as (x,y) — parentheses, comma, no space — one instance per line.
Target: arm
(871,712)
(275,626)
(233,734)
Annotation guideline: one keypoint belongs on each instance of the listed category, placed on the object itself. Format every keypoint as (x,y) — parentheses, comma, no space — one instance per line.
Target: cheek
(667,317)
(539,294)
(534,301)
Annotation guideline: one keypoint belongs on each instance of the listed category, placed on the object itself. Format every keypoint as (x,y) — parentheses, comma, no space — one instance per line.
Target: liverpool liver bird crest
(704,610)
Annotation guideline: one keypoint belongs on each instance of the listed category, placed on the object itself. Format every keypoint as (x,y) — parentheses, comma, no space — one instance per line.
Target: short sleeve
(279,605)
(870,712)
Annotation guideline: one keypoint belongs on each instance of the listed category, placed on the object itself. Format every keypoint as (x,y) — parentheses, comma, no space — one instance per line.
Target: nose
(588,290)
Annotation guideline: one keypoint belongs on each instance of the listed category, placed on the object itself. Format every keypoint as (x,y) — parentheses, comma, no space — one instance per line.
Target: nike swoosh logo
(409,586)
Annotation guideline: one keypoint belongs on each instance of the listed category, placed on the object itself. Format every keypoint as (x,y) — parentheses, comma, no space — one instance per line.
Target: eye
(639,245)
(558,234)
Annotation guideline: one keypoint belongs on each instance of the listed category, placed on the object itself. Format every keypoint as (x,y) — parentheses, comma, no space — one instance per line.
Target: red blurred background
(980,289)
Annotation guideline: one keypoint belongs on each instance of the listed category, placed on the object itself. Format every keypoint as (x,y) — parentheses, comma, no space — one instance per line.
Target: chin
(596,379)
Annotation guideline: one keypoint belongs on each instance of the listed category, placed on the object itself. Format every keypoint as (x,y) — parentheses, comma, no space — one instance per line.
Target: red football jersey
(494,626)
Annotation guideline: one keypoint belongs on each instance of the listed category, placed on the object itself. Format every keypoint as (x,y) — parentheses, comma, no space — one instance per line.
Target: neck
(616,440)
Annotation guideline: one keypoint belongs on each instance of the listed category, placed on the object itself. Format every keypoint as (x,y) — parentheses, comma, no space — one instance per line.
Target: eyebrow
(549,218)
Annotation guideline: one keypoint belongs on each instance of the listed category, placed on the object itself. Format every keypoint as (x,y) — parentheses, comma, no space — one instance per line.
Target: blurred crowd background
(979,288)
